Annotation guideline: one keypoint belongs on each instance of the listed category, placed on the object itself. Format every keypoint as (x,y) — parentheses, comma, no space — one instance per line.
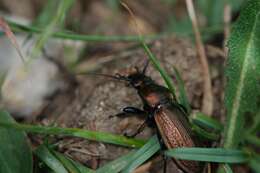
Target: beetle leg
(162,148)
(164,164)
(131,111)
(139,130)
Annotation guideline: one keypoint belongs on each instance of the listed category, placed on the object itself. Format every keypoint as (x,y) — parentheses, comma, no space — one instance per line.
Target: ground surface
(91,103)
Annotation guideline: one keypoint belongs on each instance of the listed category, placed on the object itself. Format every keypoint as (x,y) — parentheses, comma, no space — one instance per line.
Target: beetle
(162,112)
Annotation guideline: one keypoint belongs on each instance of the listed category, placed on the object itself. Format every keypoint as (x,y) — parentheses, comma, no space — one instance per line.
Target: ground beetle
(163,113)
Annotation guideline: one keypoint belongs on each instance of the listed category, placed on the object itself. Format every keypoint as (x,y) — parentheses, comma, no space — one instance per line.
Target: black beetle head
(136,78)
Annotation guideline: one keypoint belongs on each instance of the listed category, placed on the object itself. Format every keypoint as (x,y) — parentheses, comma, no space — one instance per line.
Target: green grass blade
(255,128)
(253,139)
(243,71)
(2,79)
(73,36)
(143,154)
(227,168)
(158,67)
(183,99)
(46,15)
(219,155)
(132,160)
(43,153)
(116,165)
(205,134)
(207,122)
(57,19)
(66,163)
(254,164)
(86,134)
(70,165)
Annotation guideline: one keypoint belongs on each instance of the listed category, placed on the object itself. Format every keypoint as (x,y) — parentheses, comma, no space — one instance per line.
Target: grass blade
(132,160)
(70,165)
(254,164)
(62,9)
(183,99)
(158,67)
(43,153)
(243,71)
(49,10)
(89,38)
(207,122)
(116,165)
(205,134)
(8,32)
(253,139)
(90,135)
(227,168)
(219,155)
(143,154)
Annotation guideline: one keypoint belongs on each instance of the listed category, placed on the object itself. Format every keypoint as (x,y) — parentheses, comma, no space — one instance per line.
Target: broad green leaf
(143,154)
(43,153)
(243,72)
(219,155)
(15,153)
(90,135)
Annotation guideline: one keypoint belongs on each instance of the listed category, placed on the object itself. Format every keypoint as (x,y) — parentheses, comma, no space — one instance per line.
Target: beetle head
(136,78)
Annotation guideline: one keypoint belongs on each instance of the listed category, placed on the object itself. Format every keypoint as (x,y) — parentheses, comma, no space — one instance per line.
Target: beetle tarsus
(164,164)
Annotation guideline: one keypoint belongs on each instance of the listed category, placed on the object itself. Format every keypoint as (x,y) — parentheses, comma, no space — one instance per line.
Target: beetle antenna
(145,66)
(117,76)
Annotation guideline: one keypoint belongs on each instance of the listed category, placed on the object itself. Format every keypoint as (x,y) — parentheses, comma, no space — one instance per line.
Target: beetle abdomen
(175,135)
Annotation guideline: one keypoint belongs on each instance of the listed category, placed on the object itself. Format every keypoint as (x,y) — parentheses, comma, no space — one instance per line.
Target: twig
(207,103)
(6,29)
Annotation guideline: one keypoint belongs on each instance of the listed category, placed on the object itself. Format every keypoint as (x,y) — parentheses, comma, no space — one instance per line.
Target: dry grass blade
(207,103)
(8,32)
